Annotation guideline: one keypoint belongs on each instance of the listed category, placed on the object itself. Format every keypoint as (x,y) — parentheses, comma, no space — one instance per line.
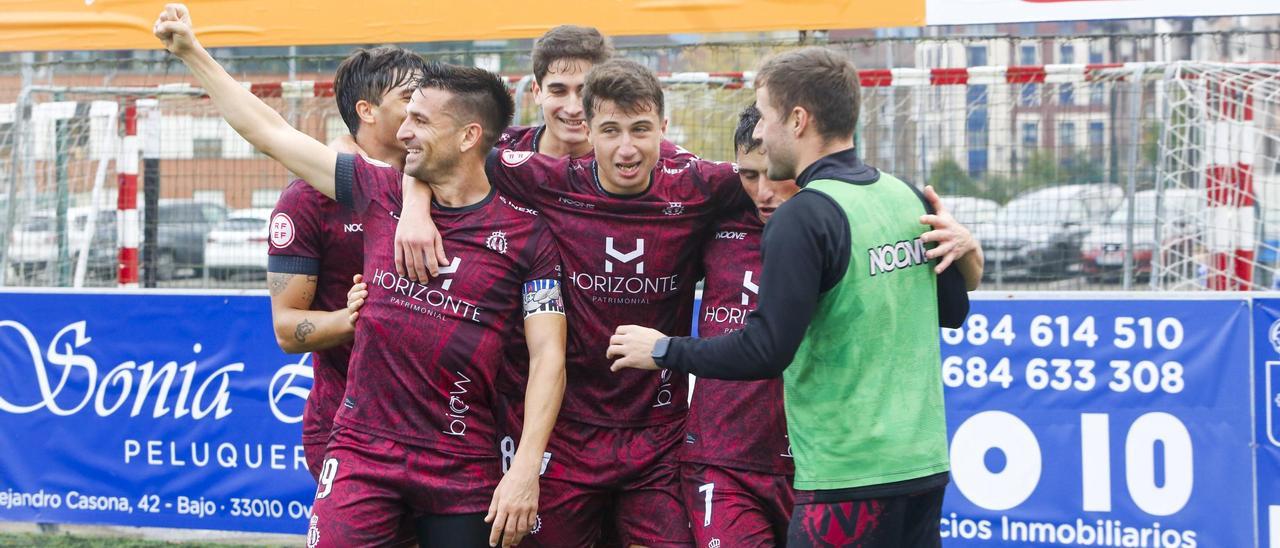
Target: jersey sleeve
(670,150)
(542,291)
(726,187)
(360,181)
(508,173)
(296,232)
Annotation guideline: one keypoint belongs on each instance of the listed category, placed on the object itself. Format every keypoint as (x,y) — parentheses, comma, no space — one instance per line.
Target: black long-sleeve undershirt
(806,248)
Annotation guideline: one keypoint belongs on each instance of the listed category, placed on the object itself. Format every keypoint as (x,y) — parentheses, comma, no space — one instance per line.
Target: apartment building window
(1030,135)
(1067,54)
(976,56)
(1097,141)
(1067,136)
(1027,55)
(202,147)
(1066,94)
(1029,96)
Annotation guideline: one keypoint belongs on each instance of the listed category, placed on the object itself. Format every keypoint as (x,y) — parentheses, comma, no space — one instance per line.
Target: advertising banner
(1099,423)
(101,25)
(150,410)
(983,12)
(1266,375)
(1073,422)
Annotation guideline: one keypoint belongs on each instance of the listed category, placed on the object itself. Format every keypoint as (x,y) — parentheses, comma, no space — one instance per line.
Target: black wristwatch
(660,350)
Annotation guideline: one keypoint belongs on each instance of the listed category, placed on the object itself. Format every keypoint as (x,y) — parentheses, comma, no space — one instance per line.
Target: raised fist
(173,28)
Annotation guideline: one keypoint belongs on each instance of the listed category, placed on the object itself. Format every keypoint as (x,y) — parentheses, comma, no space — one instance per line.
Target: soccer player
(736,464)
(561,59)
(415,432)
(849,311)
(316,244)
(631,225)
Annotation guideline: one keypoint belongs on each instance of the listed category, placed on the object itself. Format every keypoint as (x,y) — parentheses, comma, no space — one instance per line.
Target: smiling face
(431,136)
(559,94)
(627,144)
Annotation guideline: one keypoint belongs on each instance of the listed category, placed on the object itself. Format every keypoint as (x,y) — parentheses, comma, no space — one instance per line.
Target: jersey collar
(841,166)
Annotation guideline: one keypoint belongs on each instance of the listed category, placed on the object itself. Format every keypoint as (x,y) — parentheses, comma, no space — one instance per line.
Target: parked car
(33,245)
(182,227)
(238,243)
(1038,233)
(1104,250)
(971,211)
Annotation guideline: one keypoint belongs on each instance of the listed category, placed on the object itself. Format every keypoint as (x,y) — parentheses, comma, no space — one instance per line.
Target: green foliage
(1040,169)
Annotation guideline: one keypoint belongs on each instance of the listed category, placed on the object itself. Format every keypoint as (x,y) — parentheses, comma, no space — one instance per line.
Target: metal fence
(1074,174)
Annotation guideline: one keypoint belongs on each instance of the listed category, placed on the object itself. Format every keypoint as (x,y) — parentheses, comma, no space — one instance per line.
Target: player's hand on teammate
(953,238)
(419,247)
(632,346)
(173,28)
(355,298)
(514,508)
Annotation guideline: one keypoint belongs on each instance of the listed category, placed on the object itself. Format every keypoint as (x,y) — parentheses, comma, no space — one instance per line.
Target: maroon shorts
(730,507)
(314,452)
(628,477)
(370,487)
(903,520)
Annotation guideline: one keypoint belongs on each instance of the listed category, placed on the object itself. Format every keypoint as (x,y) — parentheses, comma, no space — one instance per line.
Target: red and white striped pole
(127,221)
(1229,183)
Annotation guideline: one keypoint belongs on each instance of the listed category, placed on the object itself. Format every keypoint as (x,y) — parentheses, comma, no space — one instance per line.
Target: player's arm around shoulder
(253,119)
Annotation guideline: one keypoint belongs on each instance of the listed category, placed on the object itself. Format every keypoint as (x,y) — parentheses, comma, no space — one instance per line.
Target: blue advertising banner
(1100,423)
(150,410)
(1266,375)
(1073,422)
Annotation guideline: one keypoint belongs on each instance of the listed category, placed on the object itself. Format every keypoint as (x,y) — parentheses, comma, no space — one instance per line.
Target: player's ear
(800,121)
(471,136)
(663,126)
(537,92)
(364,110)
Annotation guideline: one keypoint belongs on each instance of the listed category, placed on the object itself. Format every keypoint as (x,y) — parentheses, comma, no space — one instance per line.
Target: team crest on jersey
(313,532)
(497,242)
(513,158)
(282,230)
(673,209)
(537,525)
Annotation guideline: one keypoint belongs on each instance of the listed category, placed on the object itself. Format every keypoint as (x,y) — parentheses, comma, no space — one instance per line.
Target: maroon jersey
(628,260)
(735,424)
(426,356)
(312,235)
(525,139)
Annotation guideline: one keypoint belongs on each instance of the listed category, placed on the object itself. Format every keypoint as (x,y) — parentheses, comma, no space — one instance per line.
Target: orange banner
(39,25)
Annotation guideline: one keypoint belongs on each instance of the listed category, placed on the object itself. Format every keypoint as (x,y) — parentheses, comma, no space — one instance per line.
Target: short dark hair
(821,81)
(569,42)
(478,96)
(631,86)
(368,74)
(743,138)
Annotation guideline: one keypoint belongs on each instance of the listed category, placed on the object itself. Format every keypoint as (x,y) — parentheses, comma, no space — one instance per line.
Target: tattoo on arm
(304,329)
(277,282)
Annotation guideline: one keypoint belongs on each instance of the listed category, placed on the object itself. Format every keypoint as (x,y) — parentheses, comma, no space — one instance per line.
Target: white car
(33,245)
(1104,248)
(238,243)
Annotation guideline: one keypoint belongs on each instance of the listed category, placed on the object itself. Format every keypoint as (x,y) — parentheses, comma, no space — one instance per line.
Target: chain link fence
(1074,171)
